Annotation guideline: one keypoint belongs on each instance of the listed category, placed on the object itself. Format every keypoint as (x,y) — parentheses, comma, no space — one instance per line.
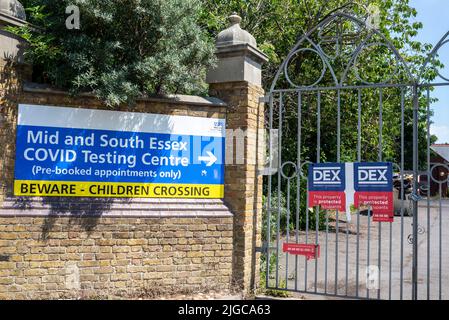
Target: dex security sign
(339,185)
(95,153)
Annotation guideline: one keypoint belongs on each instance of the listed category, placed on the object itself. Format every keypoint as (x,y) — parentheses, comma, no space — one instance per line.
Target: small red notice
(382,217)
(310,251)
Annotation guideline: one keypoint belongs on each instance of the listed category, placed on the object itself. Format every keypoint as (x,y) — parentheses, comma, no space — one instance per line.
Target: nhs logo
(326,177)
(373,176)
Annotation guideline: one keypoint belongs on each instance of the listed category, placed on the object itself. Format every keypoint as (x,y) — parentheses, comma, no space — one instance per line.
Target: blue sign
(338,186)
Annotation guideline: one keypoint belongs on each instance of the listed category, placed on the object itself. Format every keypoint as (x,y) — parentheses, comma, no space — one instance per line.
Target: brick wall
(88,248)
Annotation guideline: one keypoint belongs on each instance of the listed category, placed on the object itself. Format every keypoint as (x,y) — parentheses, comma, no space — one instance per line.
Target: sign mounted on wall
(96,153)
(337,186)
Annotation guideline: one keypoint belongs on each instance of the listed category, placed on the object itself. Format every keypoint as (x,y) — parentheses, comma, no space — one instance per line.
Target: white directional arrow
(210,157)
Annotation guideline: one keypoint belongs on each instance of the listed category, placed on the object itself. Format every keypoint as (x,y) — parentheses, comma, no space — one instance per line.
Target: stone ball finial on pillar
(239,59)
(235,34)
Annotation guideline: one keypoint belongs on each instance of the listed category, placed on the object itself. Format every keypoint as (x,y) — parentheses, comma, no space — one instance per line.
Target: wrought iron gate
(341,117)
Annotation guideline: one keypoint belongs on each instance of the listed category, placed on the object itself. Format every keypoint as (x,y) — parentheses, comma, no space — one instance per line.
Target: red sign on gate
(382,217)
(310,251)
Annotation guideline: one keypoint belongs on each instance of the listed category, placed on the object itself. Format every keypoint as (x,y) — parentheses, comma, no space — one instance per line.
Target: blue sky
(434,14)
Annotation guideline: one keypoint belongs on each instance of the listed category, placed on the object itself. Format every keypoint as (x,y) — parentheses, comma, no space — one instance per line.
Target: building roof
(442,150)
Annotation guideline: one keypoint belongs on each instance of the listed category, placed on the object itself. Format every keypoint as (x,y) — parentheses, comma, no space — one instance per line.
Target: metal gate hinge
(264,99)
(262,249)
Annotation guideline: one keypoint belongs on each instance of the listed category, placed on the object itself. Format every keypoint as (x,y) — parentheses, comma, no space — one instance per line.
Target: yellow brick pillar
(237,80)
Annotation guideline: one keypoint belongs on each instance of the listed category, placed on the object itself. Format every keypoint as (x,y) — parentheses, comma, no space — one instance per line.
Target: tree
(123,49)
